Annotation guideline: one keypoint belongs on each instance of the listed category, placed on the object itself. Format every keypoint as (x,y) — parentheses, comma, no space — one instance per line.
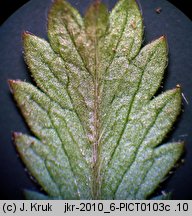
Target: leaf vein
(44,161)
(130,107)
(137,149)
(53,99)
(65,152)
(62,145)
(78,52)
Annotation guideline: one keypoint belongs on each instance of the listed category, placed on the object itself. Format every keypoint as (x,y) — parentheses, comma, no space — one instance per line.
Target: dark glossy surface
(32,17)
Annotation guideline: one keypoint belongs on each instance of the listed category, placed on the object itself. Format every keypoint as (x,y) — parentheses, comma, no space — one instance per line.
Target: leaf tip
(177,89)
(27,37)
(95,5)
(181,145)
(163,37)
(178,86)
(180,149)
(12,84)
(16,135)
(26,34)
(178,94)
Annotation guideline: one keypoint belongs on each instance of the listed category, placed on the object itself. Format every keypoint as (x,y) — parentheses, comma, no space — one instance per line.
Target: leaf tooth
(46,69)
(66,33)
(152,60)
(35,106)
(164,108)
(35,163)
(59,138)
(135,88)
(12,84)
(164,158)
(26,33)
(163,125)
(67,87)
(96,21)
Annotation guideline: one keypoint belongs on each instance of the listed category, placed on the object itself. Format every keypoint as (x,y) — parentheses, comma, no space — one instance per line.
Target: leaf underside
(96,124)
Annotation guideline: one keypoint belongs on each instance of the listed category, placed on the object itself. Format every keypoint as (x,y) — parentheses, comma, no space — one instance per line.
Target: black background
(170,22)
(7,7)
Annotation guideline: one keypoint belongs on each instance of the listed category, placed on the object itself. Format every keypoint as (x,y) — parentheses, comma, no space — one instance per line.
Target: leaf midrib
(96,181)
(96,177)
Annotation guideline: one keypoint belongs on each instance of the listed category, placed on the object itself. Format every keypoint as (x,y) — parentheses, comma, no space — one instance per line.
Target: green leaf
(32,195)
(97,126)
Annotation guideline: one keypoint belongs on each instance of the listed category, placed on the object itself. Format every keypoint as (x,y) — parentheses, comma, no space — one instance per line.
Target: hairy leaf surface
(96,124)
